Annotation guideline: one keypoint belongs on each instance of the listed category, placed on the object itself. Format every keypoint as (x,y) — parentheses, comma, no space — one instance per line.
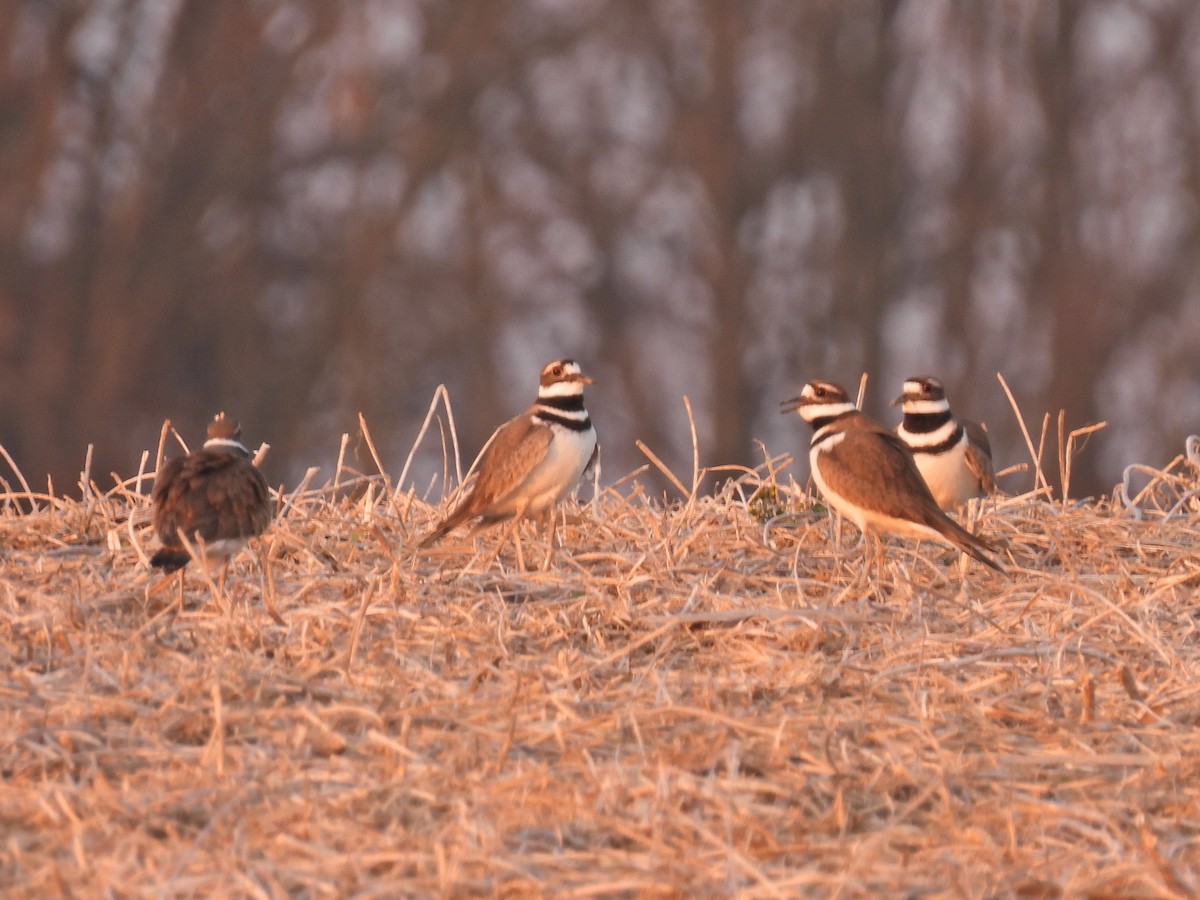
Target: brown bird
(953,455)
(867,473)
(533,461)
(215,496)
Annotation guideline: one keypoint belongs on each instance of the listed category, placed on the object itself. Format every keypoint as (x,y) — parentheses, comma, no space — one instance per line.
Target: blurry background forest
(297,210)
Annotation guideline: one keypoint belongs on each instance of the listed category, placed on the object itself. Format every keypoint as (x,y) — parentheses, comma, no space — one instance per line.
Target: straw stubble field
(686,703)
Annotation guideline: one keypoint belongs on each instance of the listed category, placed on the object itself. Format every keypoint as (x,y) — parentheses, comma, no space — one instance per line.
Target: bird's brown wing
(215,495)
(594,459)
(169,515)
(871,467)
(512,452)
(884,478)
(979,456)
(241,499)
(517,448)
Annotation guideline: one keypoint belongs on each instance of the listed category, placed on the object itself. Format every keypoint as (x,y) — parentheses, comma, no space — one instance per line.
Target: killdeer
(214,495)
(953,455)
(867,473)
(533,461)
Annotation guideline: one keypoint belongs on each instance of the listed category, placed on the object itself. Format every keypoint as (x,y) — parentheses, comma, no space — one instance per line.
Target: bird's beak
(899,400)
(788,406)
(584,379)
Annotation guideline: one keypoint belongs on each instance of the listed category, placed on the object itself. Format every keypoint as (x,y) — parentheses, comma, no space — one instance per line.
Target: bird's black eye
(556,371)
(821,392)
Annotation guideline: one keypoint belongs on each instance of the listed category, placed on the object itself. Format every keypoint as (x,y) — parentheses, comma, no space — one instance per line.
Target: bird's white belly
(949,478)
(558,473)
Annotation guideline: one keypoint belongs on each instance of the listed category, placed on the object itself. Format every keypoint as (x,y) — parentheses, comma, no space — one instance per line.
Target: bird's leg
(516,535)
(549,522)
(268,584)
(196,552)
(882,563)
(873,558)
(835,538)
(844,549)
(495,554)
(867,570)
(200,552)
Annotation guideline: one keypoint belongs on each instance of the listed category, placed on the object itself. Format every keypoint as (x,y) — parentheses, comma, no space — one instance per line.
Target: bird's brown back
(515,450)
(889,483)
(216,494)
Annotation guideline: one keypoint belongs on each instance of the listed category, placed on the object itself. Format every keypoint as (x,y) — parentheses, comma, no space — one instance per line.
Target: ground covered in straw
(687,702)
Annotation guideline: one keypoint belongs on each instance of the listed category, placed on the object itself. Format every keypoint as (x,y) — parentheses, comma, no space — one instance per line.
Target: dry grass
(685,704)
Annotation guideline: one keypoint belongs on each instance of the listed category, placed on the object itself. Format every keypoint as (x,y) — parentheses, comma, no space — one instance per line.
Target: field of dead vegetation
(702,698)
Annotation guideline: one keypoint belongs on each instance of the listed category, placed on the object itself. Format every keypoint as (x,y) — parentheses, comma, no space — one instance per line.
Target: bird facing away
(533,461)
(215,495)
(953,455)
(867,473)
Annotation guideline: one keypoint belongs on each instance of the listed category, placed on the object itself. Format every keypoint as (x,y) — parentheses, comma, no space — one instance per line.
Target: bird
(953,455)
(867,473)
(533,461)
(214,497)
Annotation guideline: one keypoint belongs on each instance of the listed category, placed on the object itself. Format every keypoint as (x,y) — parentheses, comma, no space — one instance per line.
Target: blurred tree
(297,210)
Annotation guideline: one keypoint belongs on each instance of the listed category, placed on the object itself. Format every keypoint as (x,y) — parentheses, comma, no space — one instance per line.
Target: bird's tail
(170,559)
(969,543)
(444,527)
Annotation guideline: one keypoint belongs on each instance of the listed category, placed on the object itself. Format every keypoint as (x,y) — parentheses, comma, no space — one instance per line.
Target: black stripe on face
(549,417)
(923,423)
(567,403)
(945,445)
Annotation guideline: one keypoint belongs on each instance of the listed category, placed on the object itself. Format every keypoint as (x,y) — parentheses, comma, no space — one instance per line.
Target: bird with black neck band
(865,472)
(533,461)
(953,455)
